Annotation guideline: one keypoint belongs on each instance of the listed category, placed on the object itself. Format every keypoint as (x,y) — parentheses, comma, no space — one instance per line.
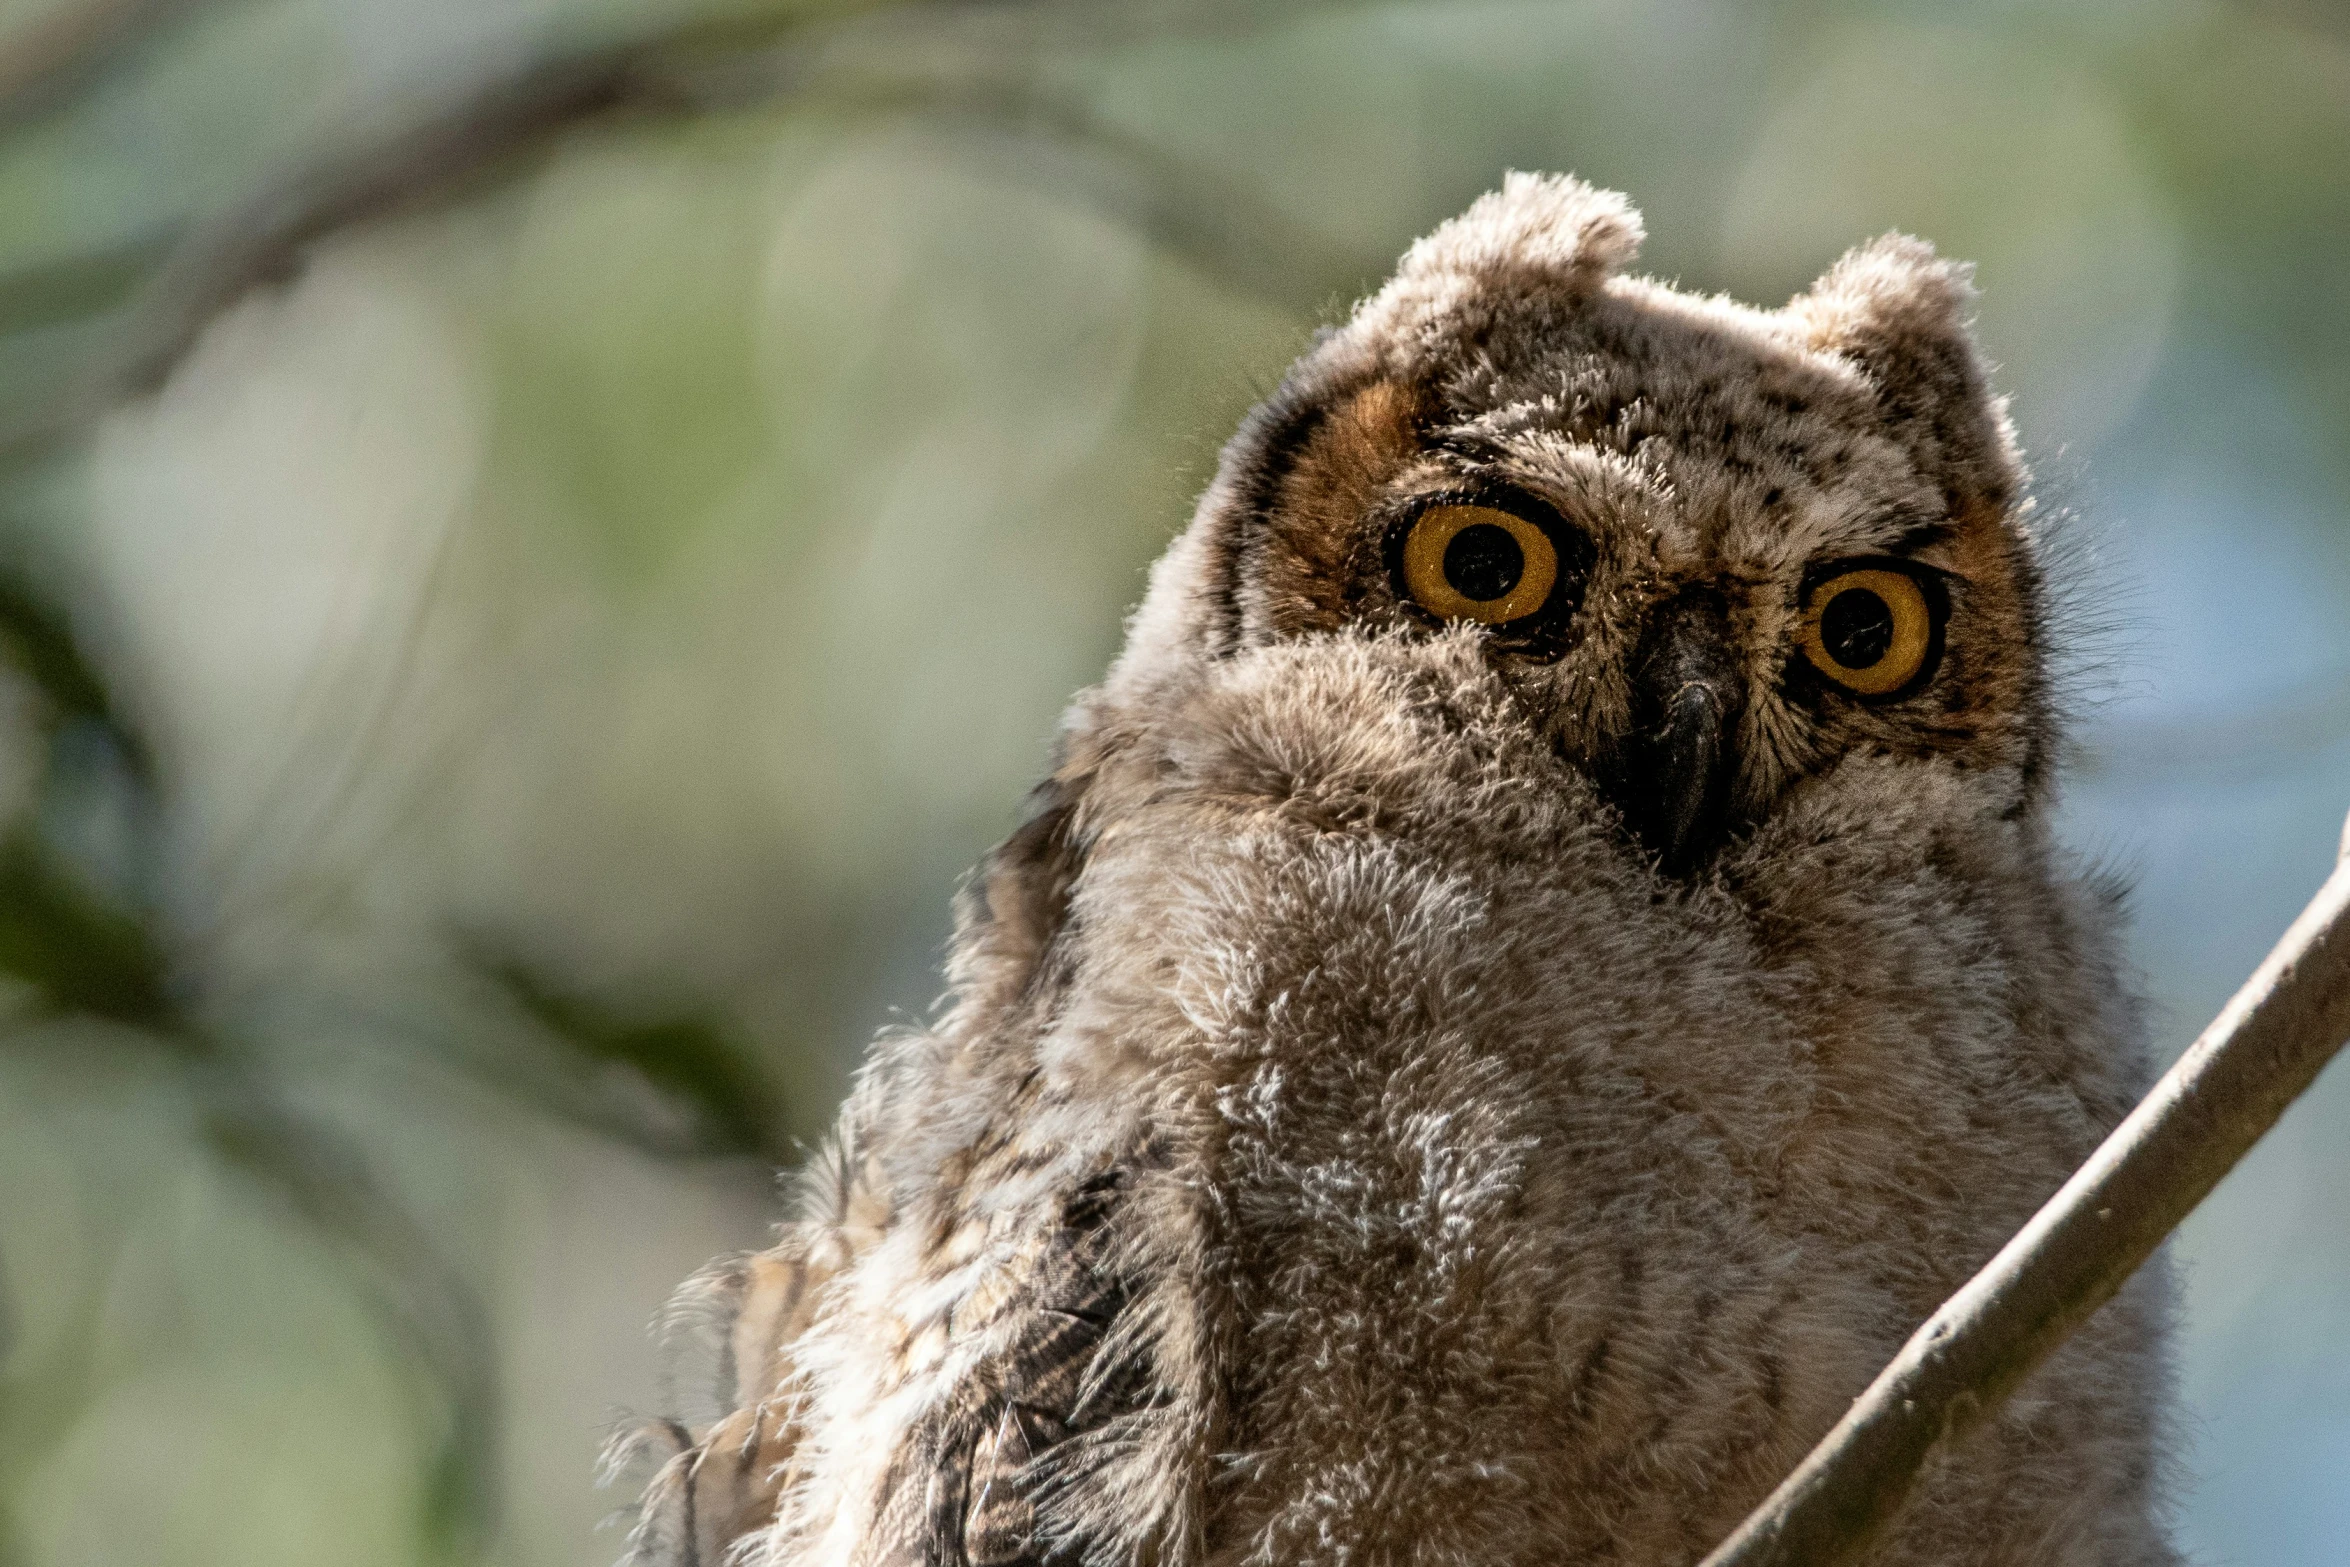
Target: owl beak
(1672,779)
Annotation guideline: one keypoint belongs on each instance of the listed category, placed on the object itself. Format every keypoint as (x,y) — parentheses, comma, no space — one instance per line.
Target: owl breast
(1545,1215)
(1497,1269)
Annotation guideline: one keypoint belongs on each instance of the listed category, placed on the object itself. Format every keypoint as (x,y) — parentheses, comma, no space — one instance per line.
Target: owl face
(1712,550)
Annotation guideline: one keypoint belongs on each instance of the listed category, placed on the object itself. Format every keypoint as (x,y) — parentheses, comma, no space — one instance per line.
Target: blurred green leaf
(41,639)
(78,951)
(716,1100)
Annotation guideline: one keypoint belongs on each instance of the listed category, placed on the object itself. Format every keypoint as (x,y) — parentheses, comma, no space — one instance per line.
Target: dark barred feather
(962,1493)
(984,1459)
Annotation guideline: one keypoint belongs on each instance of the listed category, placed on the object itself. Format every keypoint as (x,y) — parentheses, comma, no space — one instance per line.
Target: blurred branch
(49,64)
(975,61)
(262,241)
(1230,233)
(79,954)
(2265,1048)
(81,951)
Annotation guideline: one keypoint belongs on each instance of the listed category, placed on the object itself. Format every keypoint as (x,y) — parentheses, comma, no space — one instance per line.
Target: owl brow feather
(1925,535)
(1519,452)
(1516,418)
(1922,536)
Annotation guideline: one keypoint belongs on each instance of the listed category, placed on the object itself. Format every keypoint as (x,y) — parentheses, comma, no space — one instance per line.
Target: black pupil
(1483,562)
(1857,628)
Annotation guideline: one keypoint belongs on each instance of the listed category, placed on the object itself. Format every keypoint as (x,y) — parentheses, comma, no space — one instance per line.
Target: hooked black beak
(1671,775)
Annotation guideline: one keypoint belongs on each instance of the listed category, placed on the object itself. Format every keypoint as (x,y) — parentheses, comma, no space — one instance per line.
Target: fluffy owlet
(1541,964)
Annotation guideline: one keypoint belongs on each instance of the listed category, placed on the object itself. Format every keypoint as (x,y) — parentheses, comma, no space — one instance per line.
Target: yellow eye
(1478,563)
(1870,630)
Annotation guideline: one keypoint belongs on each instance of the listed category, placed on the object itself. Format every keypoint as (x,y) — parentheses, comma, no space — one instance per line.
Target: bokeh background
(539,537)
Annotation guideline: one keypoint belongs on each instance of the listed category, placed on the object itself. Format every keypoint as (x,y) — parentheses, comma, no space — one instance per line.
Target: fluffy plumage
(1367,1126)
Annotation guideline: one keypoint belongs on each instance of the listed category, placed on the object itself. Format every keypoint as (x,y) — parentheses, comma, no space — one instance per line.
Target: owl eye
(1874,630)
(1470,562)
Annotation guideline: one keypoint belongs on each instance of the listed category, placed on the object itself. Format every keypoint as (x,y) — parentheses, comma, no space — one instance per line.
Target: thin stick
(2266,1046)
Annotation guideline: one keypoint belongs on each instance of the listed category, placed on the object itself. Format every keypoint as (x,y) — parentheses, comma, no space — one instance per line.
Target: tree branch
(219,261)
(2267,1045)
(955,56)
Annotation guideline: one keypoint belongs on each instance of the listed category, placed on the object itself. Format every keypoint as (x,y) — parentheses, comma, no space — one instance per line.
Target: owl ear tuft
(1540,237)
(1897,309)
(1899,313)
(1537,229)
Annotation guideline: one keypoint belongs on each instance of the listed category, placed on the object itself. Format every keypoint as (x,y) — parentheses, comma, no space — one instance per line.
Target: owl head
(1711,550)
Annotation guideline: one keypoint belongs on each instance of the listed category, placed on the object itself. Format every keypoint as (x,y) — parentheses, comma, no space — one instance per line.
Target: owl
(1543,961)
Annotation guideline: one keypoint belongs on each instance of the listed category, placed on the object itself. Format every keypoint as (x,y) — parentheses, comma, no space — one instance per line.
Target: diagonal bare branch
(2264,1049)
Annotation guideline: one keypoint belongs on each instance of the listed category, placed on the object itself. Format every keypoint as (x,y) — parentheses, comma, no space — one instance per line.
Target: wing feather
(963,1489)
